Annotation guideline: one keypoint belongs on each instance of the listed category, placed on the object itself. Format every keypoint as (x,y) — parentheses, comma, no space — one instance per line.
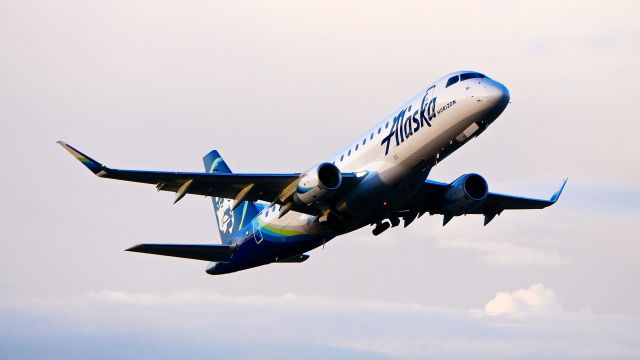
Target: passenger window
(364,141)
(371,137)
(380,128)
(386,125)
(357,146)
(452,80)
(341,157)
(349,153)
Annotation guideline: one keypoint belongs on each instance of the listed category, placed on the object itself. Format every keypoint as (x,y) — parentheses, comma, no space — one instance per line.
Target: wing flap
(266,187)
(195,252)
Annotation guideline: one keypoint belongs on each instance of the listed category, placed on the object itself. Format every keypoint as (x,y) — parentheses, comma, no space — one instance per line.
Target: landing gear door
(257,234)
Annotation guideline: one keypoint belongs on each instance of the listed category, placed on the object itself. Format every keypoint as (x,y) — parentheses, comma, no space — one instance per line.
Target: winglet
(95,167)
(556,196)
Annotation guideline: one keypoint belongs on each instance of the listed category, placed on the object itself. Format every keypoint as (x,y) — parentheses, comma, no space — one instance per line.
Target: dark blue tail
(229,221)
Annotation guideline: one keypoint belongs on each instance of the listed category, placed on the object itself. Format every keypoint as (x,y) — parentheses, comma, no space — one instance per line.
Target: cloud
(237,76)
(289,324)
(182,297)
(537,299)
(288,301)
(502,252)
(496,252)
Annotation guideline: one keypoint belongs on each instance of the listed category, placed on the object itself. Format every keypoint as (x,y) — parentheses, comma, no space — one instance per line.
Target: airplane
(376,181)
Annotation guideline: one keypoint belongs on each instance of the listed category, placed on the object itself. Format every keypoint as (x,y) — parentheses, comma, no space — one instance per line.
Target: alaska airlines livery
(378,180)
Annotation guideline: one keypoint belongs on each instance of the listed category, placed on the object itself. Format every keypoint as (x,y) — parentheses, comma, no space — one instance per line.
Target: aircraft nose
(495,94)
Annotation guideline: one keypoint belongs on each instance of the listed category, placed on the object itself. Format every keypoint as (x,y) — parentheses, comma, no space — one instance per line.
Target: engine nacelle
(465,194)
(315,184)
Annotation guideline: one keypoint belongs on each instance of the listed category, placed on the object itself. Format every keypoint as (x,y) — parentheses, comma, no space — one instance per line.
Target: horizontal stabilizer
(196,252)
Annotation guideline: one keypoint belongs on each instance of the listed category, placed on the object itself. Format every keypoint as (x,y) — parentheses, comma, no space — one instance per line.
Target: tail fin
(229,221)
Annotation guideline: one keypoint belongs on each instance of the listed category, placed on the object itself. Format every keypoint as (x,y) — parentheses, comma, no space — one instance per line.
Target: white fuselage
(404,146)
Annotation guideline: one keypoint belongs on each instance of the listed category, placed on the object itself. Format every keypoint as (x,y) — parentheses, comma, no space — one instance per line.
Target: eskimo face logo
(224,214)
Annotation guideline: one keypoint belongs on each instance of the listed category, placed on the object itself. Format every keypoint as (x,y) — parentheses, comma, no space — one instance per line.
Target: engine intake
(315,184)
(465,194)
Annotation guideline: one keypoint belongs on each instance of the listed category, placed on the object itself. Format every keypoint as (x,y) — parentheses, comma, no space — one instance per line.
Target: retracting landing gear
(385,224)
(380,228)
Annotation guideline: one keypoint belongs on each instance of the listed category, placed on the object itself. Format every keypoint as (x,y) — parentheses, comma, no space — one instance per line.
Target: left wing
(493,205)
(273,188)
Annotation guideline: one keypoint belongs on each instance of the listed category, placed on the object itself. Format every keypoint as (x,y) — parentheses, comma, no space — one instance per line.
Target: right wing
(493,205)
(498,202)
(272,188)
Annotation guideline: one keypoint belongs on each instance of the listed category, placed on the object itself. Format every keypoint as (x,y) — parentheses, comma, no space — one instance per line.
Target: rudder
(229,221)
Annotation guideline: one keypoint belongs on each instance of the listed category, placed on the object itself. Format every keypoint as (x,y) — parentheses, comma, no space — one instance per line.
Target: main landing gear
(381,226)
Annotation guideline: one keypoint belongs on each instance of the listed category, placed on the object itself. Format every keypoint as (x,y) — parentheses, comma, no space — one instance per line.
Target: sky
(279,86)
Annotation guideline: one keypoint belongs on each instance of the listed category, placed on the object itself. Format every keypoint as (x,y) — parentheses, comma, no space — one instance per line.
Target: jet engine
(465,194)
(315,184)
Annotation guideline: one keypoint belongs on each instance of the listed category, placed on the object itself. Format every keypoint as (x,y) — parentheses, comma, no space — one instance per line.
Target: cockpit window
(452,80)
(467,76)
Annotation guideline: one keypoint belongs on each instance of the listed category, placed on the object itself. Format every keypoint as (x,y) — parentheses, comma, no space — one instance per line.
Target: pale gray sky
(279,86)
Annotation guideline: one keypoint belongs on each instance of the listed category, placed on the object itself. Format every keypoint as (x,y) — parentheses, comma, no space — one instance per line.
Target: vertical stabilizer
(229,220)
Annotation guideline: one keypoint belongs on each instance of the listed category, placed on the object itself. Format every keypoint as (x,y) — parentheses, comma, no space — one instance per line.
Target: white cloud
(85,75)
(497,252)
(187,297)
(537,299)
(353,328)
(289,301)
(505,253)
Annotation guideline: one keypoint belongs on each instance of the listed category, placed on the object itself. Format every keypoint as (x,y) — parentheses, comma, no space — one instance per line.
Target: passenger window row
(364,141)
